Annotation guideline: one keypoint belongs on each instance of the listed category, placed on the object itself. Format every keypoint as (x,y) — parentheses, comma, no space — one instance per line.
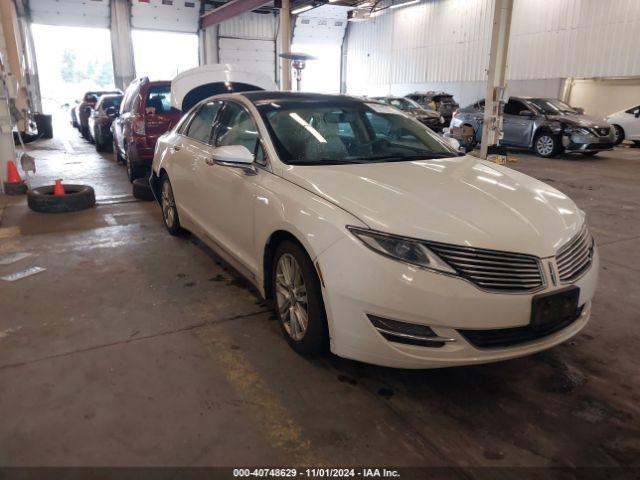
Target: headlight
(578,130)
(402,249)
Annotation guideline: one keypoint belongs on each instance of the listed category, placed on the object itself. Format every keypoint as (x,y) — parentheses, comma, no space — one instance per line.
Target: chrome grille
(574,258)
(492,270)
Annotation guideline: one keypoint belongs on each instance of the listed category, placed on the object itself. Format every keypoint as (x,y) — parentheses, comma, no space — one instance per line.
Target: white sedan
(371,235)
(626,124)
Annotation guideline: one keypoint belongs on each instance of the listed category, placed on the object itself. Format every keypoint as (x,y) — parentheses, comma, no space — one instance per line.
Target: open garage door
(320,33)
(71,13)
(166,15)
(248,42)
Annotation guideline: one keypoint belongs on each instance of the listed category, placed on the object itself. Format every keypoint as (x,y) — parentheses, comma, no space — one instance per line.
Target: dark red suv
(145,114)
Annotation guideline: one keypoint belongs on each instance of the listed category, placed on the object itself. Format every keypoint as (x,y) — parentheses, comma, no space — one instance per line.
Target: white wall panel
(249,41)
(252,55)
(447,41)
(250,25)
(73,13)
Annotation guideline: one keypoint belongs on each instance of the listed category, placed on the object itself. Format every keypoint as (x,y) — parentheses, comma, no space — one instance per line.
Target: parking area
(134,347)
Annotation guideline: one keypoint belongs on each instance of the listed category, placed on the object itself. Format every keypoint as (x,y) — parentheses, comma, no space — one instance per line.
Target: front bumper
(376,285)
(580,143)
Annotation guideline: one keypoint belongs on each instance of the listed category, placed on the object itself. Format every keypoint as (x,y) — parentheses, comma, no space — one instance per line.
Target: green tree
(68,67)
(104,76)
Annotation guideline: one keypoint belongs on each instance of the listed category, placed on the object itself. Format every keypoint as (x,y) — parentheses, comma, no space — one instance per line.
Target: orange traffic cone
(58,189)
(12,173)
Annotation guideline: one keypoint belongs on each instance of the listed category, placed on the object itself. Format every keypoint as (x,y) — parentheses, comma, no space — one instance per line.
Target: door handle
(177,147)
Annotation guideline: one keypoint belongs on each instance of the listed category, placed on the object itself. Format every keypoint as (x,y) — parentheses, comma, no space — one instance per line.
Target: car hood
(461,200)
(579,120)
(421,113)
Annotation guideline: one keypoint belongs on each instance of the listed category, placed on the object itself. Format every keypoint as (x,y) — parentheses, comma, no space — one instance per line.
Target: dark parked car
(100,121)
(145,114)
(430,118)
(546,125)
(441,102)
(83,110)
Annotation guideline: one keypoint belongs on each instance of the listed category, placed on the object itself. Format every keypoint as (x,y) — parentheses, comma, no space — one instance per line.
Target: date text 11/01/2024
(316,472)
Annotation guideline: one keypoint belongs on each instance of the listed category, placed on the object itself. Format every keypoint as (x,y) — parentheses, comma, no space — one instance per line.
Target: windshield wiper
(426,156)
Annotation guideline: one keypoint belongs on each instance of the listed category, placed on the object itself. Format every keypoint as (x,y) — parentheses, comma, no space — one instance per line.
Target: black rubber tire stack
(77,197)
(14,188)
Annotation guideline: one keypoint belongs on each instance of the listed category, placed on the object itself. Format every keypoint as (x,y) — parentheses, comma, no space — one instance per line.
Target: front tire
(169,209)
(298,300)
(546,145)
(619,134)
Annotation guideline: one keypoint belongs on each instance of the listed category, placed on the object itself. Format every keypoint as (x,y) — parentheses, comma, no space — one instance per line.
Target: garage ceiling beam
(230,10)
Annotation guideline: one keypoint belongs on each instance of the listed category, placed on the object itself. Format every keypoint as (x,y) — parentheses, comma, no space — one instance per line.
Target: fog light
(408,333)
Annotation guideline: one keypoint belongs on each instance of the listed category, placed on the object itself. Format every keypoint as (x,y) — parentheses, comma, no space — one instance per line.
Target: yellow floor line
(8,232)
(272,417)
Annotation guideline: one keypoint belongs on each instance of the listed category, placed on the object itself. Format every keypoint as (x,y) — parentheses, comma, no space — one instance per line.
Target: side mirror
(235,156)
(111,112)
(579,110)
(525,113)
(637,113)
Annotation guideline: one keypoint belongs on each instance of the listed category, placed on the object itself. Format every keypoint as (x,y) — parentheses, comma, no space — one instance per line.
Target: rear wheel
(100,146)
(133,171)
(546,144)
(298,299)
(169,210)
(619,134)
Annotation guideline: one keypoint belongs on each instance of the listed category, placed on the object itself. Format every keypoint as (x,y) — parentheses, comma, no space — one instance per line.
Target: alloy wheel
(168,205)
(544,145)
(291,296)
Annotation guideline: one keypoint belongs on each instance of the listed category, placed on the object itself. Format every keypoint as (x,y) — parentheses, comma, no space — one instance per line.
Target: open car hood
(192,86)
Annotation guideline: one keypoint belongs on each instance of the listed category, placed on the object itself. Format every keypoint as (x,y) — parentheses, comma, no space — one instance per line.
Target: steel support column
(496,74)
(7,150)
(284,33)
(124,70)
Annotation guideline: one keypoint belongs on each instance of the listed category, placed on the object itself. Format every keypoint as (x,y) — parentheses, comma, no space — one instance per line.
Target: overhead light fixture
(358,15)
(404,4)
(301,9)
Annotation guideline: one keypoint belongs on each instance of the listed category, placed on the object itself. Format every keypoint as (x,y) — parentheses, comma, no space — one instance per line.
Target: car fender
(282,206)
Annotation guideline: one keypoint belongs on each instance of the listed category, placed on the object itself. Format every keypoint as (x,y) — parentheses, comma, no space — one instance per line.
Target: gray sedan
(546,125)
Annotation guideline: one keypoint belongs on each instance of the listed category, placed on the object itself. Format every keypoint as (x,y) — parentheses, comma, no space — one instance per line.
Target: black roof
(262,96)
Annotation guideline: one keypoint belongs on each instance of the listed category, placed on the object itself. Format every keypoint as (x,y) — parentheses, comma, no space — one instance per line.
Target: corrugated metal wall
(446,43)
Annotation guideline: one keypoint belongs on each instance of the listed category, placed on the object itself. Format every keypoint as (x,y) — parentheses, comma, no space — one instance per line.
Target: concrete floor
(138,348)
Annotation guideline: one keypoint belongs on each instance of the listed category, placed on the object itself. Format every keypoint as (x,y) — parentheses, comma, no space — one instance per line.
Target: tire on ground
(142,189)
(316,338)
(77,197)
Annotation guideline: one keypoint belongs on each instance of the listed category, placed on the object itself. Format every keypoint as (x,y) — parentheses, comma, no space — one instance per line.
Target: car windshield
(322,132)
(402,103)
(552,106)
(159,100)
